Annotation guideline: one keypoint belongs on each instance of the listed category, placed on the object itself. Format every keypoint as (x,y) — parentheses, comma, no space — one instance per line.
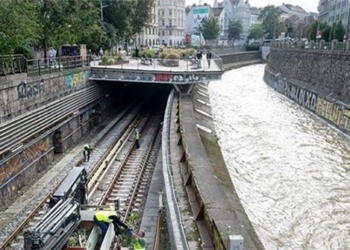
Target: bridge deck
(184,65)
(186,71)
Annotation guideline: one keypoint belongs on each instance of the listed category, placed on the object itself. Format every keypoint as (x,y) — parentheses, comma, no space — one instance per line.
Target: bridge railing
(16,64)
(162,64)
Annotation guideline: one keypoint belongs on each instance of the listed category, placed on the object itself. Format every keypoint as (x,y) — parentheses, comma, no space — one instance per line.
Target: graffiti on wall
(300,95)
(334,112)
(75,79)
(28,90)
(20,161)
(157,77)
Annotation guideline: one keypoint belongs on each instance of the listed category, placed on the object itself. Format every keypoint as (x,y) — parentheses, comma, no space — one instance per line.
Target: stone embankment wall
(19,96)
(240,59)
(316,80)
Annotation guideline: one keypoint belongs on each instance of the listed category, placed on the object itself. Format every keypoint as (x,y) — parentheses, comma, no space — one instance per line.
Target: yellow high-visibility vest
(137,246)
(103,216)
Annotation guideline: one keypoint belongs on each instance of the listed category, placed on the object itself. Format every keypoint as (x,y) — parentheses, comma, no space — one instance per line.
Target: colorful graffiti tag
(76,79)
(156,77)
(19,162)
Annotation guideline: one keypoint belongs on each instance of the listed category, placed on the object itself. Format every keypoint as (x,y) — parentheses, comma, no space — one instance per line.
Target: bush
(147,53)
(104,60)
(163,55)
(173,56)
(25,51)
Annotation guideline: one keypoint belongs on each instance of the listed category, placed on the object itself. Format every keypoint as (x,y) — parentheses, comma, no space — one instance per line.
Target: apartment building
(171,22)
(332,11)
(149,35)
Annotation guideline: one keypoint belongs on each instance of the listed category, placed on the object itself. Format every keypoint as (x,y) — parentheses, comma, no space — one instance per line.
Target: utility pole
(102,6)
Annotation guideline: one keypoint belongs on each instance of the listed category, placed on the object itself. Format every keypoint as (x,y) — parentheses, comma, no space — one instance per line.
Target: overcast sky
(308,5)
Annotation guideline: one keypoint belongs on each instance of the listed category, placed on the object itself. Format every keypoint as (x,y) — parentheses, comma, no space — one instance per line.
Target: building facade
(332,11)
(149,35)
(171,22)
(323,9)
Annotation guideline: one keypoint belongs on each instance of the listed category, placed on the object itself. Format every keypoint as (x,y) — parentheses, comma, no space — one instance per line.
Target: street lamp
(102,6)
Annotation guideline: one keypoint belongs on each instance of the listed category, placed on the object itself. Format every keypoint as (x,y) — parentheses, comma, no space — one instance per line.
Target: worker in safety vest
(87,150)
(103,218)
(137,136)
(139,241)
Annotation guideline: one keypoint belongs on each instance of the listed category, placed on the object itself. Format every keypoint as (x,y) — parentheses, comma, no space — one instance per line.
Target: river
(290,169)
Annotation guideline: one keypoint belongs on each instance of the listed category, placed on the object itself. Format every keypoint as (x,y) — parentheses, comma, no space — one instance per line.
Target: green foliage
(187,52)
(148,53)
(18,25)
(163,55)
(269,16)
(235,29)
(326,35)
(52,23)
(256,32)
(338,31)
(173,56)
(141,15)
(210,29)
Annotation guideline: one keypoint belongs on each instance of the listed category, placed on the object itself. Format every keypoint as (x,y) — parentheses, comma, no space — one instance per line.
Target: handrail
(17,64)
(177,231)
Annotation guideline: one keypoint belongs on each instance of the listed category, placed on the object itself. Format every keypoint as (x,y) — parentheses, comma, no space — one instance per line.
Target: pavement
(184,65)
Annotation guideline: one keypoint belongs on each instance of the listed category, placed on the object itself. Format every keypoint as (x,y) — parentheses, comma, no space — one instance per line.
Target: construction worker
(103,218)
(137,136)
(139,241)
(87,150)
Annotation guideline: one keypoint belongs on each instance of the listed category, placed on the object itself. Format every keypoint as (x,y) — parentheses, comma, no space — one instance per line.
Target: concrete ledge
(219,214)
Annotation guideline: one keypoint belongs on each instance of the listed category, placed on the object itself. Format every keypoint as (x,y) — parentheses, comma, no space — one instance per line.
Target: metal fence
(174,217)
(161,64)
(16,64)
(319,45)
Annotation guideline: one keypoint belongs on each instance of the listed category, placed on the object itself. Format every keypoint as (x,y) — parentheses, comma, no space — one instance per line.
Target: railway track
(120,172)
(13,239)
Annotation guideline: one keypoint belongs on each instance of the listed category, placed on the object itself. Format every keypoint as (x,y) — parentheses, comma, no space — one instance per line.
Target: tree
(142,14)
(338,31)
(256,32)
(235,29)
(269,16)
(18,25)
(68,21)
(326,33)
(210,28)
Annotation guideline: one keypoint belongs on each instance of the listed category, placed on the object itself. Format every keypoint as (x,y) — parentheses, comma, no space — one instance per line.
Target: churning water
(290,170)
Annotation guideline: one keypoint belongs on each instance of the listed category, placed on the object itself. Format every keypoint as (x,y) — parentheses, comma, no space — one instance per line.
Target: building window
(163,32)
(170,13)
(162,12)
(170,33)
(163,22)
(170,23)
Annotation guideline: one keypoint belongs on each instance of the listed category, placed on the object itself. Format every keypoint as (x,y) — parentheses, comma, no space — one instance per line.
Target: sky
(308,5)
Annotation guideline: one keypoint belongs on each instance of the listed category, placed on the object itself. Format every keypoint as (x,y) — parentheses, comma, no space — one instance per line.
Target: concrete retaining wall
(20,94)
(327,104)
(241,57)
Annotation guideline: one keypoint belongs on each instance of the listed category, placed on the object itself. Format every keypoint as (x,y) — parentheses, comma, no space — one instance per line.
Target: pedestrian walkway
(152,207)
(181,65)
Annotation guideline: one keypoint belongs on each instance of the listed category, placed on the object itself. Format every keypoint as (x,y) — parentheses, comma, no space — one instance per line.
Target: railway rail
(120,172)
(110,136)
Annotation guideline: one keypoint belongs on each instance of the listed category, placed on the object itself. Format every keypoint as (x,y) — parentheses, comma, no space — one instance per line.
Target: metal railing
(174,216)
(16,64)
(319,45)
(161,64)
